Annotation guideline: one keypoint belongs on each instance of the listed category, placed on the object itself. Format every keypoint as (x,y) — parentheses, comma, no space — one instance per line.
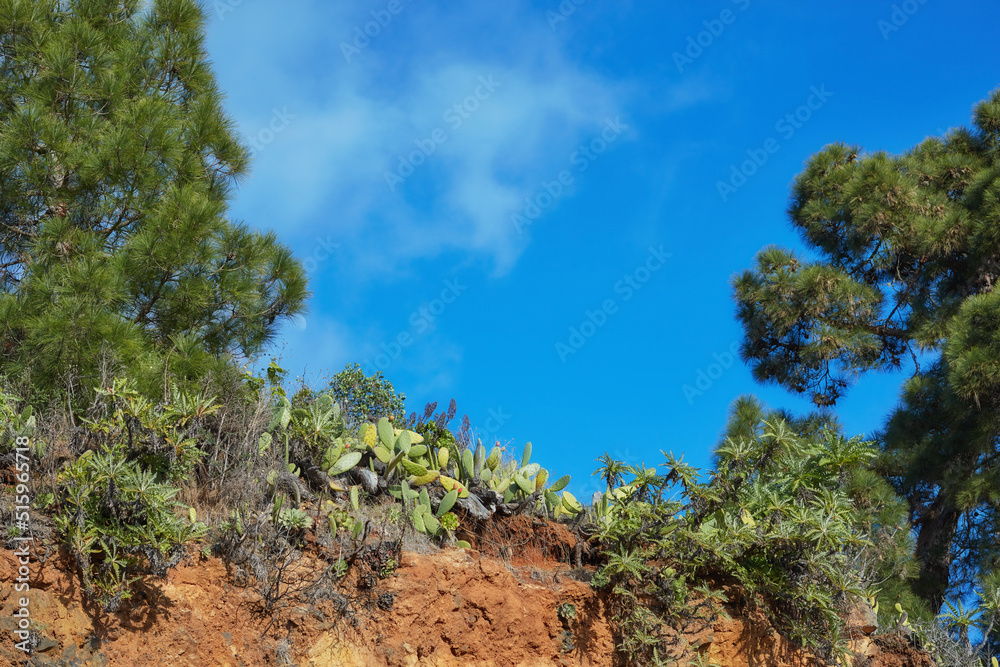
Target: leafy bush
(115,502)
(366,399)
(964,634)
(160,437)
(120,524)
(777,516)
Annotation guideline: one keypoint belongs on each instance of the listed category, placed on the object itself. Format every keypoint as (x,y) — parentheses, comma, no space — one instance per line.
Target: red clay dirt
(451,608)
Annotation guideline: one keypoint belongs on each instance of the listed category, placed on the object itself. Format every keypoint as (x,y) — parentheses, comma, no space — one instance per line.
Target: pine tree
(117,163)
(902,262)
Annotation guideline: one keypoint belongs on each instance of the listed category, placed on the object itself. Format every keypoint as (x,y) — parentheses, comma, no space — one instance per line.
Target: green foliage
(17,424)
(293,518)
(120,523)
(566,611)
(162,438)
(779,515)
(905,250)
(117,163)
(366,398)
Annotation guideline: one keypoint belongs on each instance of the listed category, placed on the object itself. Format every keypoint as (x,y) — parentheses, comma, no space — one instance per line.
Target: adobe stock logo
(455,116)
(787,125)
(596,319)
(707,377)
(363,36)
(582,158)
(900,16)
(566,9)
(223,8)
(696,45)
(420,321)
(281,119)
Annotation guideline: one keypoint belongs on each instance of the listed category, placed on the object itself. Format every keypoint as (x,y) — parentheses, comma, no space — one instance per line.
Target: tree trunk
(937,523)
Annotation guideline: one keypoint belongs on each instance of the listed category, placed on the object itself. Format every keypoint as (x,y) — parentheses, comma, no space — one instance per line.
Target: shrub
(366,399)
(777,516)
(119,523)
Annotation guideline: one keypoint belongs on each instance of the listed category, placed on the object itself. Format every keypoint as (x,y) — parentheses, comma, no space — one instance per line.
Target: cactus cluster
(410,464)
(429,480)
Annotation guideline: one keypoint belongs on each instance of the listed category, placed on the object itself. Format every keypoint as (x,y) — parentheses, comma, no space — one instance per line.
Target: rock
(366,478)
(46,644)
(474,508)
(488,497)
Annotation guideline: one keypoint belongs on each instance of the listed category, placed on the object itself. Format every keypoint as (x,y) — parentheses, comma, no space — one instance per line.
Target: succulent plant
(449,521)
(294,518)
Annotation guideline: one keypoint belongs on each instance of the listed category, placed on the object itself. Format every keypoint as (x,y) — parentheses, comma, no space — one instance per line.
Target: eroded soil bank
(449,608)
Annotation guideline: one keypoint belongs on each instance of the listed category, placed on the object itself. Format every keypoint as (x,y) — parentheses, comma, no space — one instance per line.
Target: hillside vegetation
(135,438)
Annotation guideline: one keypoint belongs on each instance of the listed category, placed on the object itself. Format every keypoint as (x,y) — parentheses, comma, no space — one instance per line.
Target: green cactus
(450,484)
(559,484)
(493,461)
(355,500)
(523,483)
(404,442)
(447,503)
(408,493)
(386,434)
(468,465)
(331,455)
(418,519)
(431,523)
(571,504)
(412,468)
(478,460)
(530,470)
(393,462)
(344,463)
(424,479)
(526,456)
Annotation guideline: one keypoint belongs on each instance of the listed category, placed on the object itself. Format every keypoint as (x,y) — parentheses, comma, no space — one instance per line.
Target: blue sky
(537,208)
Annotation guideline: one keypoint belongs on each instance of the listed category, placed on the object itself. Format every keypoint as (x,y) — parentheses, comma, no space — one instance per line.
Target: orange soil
(451,608)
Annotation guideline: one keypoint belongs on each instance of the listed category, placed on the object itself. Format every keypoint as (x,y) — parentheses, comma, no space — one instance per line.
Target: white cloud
(354,120)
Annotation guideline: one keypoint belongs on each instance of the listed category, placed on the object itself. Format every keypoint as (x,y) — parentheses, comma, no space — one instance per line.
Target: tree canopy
(903,256)
(117,164)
